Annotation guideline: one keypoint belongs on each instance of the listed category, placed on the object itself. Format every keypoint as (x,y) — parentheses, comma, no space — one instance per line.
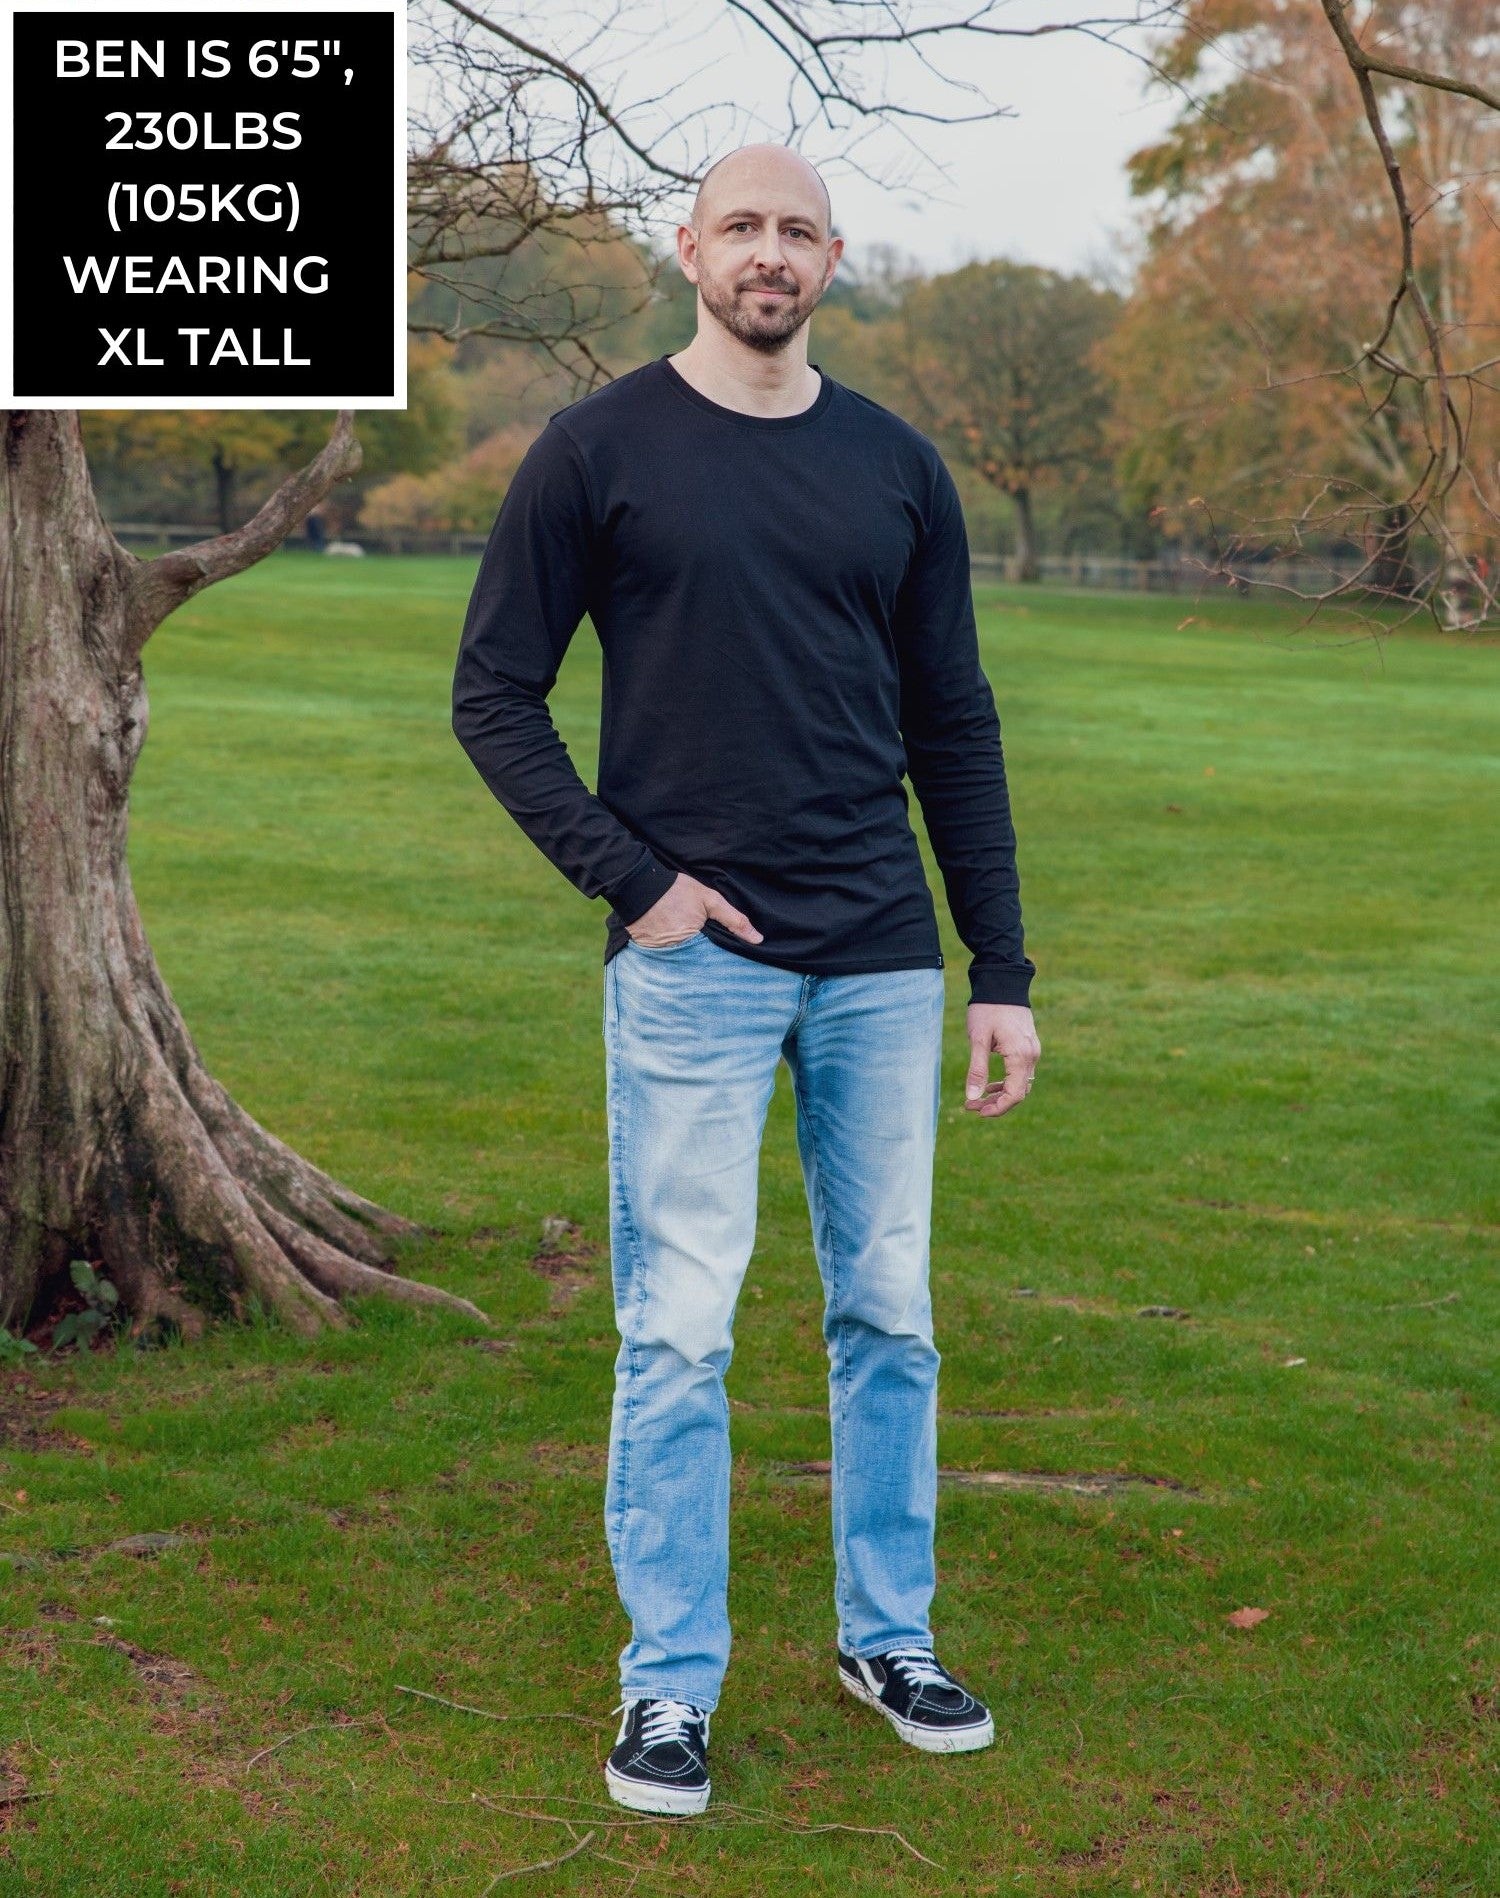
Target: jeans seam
(826,1233)
(638,1276)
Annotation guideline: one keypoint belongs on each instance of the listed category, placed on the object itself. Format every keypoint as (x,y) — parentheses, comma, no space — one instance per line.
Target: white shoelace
(668,1720)
(918,1668)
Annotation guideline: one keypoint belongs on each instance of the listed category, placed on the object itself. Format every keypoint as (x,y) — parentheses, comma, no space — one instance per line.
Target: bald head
(760,246)
(758,168)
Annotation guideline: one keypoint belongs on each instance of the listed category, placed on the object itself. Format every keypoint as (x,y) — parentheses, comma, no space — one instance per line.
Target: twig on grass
(1423,1304)
(803,1827)
(336,1726)
(542,1865)
(557,1819)
(285,1739)
(724,1814)
(484,1713)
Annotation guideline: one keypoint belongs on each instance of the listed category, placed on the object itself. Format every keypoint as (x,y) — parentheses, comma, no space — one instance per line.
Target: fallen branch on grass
(723,1816)
(319,1726)
(483,1713)
(542,1865)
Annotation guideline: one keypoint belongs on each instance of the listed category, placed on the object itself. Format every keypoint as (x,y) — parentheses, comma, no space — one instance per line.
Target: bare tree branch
(158,587)
(1364,61)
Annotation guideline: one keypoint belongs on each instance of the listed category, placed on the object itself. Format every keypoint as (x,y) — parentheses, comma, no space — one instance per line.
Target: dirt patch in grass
(315,1434)
(1172,1813)
(565,1259)
(483,1237)
(1361,1221)
(14,1789)
(29,1647)
(570,1459)
(162,1677)
(24,1410)
(1076,1482)
(958,1413)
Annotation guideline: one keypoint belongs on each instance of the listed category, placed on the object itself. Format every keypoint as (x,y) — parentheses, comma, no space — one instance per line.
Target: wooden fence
(1058,570)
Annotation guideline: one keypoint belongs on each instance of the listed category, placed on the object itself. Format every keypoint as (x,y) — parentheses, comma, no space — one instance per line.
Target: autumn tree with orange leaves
(995,362)
(1276,364)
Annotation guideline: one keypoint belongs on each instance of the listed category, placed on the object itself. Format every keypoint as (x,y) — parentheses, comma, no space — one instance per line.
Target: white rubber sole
(663,1799)
(927,1739)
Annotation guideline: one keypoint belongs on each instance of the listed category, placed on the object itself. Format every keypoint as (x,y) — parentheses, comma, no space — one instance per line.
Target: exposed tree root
(340,1276)
(116,1144)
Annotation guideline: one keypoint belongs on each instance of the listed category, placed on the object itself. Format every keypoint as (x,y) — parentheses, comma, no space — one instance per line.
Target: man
(778,574)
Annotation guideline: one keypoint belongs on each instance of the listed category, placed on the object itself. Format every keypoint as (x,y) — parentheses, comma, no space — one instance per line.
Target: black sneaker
(920,1698)
(660,1761)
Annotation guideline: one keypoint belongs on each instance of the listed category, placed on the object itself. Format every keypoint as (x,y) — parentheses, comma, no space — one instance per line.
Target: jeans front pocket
(666,948)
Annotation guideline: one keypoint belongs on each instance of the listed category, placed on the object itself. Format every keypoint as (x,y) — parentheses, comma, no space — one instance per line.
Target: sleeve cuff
(643,888)
(1001,984)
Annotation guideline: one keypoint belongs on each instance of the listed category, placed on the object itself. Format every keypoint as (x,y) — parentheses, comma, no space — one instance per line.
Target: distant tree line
(1222,398)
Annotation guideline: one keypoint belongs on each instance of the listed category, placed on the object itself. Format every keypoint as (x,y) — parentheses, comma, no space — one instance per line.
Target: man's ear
(835,251)
(687,252)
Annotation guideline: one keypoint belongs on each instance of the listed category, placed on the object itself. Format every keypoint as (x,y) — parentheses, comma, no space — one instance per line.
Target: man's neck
(750,380)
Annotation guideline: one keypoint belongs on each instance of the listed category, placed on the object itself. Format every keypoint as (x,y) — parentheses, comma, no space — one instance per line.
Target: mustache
(789,288)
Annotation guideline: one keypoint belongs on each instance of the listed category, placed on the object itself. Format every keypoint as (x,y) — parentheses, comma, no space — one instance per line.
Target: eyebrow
(792,217)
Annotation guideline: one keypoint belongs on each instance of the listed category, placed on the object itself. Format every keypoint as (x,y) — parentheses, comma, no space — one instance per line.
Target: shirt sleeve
(951,733)
(531,593)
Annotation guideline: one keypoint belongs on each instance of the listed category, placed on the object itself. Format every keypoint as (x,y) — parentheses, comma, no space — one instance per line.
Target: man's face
(761,259)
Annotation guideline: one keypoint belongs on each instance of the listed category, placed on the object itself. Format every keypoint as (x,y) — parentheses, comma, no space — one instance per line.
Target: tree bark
(1026,567)
(223,490)
(1391,571)
(116,1144)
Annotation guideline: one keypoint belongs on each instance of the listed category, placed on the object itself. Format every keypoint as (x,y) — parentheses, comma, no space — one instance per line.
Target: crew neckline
(684,388)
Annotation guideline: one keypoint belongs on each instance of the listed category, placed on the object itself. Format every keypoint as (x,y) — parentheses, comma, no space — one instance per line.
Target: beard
(768,327)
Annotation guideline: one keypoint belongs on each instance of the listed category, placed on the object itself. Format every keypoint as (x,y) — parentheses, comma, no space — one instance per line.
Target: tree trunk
(1391,571)
(116,1144)
(1026,567)
(224,490)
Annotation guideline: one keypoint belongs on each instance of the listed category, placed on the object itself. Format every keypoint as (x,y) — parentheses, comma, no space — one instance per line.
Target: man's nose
(768,252)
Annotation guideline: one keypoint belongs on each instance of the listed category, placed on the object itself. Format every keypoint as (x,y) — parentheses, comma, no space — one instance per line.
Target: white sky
(1045,185)
(693,79)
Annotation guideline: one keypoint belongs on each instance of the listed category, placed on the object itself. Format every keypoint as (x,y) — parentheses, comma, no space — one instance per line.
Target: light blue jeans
(693,1034)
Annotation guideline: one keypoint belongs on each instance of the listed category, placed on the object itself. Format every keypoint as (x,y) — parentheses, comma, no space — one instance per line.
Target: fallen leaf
(1292,1363)
(1247,1617)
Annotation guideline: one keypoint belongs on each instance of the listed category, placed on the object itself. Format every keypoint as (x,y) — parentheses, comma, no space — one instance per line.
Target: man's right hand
(683,911)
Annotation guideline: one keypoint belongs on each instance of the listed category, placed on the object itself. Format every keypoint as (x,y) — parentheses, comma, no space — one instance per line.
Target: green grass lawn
(1258,871)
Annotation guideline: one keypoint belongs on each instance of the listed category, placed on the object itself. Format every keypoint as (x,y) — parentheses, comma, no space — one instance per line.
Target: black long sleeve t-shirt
(784,608)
